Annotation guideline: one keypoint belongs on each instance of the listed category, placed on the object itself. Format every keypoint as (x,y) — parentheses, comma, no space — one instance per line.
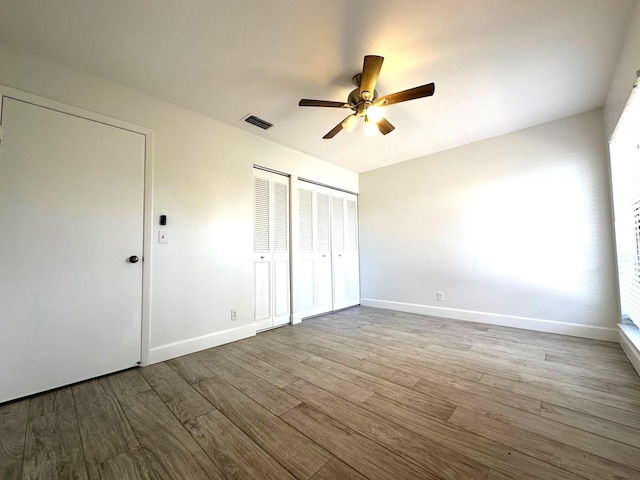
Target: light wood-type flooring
(359,394)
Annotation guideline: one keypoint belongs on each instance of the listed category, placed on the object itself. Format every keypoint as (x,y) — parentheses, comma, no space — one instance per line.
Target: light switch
(162,236)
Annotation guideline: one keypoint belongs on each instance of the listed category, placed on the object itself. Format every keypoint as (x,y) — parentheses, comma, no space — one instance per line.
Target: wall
(624,75)
(514,230)
(202,181)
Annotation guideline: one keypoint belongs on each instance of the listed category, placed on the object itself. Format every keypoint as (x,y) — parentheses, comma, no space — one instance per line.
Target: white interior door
(271,250)
(339,265)
(344,249)
(322,252)
(71,215)
(314,259)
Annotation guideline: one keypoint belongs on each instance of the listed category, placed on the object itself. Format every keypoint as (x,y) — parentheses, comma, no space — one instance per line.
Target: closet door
(344,250)
(323,282)
(314,259)
(271,249)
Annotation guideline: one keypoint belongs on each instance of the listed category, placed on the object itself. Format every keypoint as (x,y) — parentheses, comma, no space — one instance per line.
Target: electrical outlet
(234,314)
(440,296)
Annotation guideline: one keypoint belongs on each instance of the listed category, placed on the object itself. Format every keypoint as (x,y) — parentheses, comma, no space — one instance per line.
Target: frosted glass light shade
(349,123)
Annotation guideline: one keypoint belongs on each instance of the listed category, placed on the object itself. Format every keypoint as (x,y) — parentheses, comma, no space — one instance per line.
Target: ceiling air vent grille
(258,122)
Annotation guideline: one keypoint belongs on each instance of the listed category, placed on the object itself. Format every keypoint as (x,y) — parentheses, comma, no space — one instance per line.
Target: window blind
(625,176)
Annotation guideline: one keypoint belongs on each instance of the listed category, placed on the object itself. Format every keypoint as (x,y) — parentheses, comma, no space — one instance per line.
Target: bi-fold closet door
(271,249)
(328,267)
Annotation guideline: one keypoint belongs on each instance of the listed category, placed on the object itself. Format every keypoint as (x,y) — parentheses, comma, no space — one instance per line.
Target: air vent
(258,122)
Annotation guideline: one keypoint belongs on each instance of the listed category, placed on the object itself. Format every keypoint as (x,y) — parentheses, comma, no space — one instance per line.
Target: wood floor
(360,394)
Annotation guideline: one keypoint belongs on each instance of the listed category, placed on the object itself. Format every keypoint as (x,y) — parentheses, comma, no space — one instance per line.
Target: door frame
(147,223)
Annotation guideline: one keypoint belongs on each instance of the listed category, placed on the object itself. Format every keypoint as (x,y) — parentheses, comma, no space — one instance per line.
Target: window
(625,175)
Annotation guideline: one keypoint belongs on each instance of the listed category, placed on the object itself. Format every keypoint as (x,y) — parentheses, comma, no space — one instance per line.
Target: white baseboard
(536,324)
(296,318)
(630,342)
(192,345)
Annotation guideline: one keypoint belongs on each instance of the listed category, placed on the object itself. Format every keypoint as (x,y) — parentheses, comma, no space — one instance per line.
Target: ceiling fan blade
(305,102)
(370,72)
(334,131)
(385,126)
(410,94)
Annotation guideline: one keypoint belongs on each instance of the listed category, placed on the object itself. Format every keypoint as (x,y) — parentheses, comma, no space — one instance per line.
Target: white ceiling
(498,65)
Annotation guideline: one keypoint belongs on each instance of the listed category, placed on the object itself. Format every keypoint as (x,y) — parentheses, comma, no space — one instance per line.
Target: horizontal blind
(625,172)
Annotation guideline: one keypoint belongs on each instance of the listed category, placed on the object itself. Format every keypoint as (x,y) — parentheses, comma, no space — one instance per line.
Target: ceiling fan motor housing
(358,104)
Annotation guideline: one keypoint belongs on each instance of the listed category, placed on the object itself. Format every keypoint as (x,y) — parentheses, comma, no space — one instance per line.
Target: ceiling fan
(364,100)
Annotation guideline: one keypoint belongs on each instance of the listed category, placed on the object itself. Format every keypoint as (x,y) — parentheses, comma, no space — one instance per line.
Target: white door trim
(148,192)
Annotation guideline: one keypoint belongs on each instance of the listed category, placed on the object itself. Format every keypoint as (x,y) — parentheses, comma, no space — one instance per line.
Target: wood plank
(431,456)
(369,458)
(386,355)
(458,390)
(381,371)
(291,352)
(342,388)
(235,454)
(610,399)
(50,402)
(128,382)
(13,428)
(53,448)
(564,400)
(495,475)
(580,439)
(12,471)
(487,452)
(336,469)
(169,448)
(292,450)
(627,391)
(131,465)
(103,426)
(270,397)
(551,451)
(189,368)
(181,398)
(302,337)
(265,371)
(409,398)
(605,428)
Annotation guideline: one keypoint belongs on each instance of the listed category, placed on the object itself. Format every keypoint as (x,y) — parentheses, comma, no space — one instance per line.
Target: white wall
(203,182)
(624,75)
(514,230)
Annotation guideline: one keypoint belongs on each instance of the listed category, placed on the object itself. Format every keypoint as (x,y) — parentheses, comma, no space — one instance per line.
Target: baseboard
(630,342)
(296,318)
(536,324)
(191,345)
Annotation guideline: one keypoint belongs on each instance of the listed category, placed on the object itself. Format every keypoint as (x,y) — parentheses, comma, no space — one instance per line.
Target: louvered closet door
(314,257)
(344,250)
(271,249)
(323,284)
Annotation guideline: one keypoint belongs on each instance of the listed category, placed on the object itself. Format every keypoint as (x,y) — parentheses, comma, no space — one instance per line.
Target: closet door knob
(133,259)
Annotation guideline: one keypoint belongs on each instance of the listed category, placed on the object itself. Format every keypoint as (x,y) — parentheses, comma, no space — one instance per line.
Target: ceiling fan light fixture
(375,113)
(364,101)
(349,123)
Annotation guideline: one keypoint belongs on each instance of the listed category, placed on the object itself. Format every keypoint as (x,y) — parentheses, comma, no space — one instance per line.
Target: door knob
(133,259)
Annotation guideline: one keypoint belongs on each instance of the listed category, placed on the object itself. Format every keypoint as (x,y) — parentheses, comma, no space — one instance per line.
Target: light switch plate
(162,236)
